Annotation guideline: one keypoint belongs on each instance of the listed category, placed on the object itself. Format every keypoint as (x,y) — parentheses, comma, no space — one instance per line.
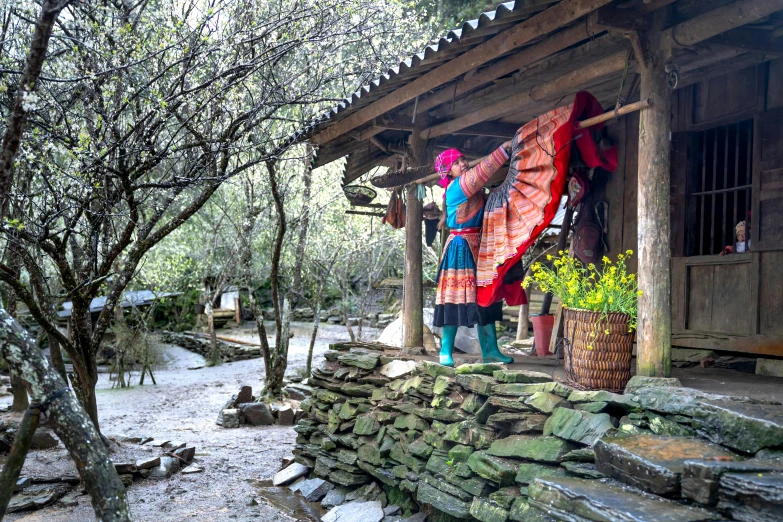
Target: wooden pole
(562,239)
(654,330)
(413,303)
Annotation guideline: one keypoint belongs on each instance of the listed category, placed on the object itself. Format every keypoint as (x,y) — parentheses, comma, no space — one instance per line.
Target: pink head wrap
(443,164)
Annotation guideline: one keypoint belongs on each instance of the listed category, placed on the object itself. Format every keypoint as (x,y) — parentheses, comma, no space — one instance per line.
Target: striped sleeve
(472,181)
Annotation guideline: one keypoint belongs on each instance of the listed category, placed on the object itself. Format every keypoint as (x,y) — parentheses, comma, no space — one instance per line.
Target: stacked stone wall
(229,352)
(484,442)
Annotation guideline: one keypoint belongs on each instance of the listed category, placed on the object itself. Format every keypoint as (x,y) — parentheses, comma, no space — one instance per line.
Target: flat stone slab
(539,449)
(315,489)
(441,501)
(614,399)
(397,368)
(602,500)
(652,463)
(517,423)
(578,426)
(289,474)
(546,402)
(477,383)
(486,510)
(701,478)
(363,359)
(356,512)
(482,368)
(519,389)
(521,376)
(639,381)
(756,497)
(741,426)
(499,470)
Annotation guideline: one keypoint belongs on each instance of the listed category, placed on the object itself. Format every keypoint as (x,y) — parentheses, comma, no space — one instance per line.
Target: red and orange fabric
(521,208)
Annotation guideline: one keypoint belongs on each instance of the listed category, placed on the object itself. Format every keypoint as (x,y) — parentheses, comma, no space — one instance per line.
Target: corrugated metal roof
(425,61)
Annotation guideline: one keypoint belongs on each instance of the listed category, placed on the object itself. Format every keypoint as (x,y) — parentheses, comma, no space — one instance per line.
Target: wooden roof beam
(545,22)
(749,40)
(518,61)
(717,21)
(560,86)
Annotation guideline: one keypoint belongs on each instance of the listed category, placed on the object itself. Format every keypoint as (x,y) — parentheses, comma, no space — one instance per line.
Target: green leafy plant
(610,289)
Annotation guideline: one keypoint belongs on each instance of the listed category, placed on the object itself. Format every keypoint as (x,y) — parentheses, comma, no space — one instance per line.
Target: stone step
(578,426)
(701,478)
(741,426)
(752,497)
(575,499)
(652,463)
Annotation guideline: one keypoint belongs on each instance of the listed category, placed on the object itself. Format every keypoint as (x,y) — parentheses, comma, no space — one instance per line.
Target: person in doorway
(741,245)
(455,301)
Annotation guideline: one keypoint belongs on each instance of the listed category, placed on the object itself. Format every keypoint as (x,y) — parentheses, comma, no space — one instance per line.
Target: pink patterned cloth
(443,164)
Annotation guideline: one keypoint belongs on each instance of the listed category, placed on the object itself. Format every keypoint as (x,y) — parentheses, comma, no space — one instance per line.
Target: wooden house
(706,154)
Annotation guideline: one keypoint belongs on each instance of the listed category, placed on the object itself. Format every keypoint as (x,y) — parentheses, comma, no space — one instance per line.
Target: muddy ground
(183,406)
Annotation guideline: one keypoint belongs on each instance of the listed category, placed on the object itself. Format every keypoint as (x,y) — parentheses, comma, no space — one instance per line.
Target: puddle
(292,504)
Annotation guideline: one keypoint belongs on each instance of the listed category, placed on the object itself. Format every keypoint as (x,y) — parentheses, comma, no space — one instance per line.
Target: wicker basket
(606,365)
(359,195)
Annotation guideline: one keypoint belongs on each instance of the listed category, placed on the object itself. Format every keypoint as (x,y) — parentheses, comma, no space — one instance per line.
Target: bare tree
(45,385)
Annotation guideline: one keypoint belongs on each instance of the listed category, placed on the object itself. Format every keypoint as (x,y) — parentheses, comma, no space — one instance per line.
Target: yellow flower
(606,331)
(629,252)
(606,260)
(591,266)
(549,257)
(639,292)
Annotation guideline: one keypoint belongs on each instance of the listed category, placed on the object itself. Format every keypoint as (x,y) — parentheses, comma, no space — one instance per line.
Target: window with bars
(721,186)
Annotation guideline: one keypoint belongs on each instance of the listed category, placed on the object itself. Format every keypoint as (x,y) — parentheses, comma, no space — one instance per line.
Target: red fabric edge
(585,106)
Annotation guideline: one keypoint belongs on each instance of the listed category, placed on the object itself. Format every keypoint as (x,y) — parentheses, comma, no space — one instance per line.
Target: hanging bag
(588,236)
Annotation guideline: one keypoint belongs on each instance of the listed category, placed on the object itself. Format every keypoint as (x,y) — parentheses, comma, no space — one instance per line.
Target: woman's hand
(507,146)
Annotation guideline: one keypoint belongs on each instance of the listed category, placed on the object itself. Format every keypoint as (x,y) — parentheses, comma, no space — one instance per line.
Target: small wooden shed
(705,155)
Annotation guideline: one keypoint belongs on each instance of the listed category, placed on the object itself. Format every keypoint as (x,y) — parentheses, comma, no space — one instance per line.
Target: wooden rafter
(717,21)
(518,61)
(550,20)
(560,86)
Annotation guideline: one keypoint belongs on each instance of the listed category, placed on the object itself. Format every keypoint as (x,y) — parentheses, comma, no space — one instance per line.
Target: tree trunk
(345,294)
(316,322)
(654,315)
(214,353)
(69,420)
(56,355)
(21,401)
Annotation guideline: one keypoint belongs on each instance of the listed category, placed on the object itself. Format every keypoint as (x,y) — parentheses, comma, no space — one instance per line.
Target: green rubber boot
(447,345)
(488,339)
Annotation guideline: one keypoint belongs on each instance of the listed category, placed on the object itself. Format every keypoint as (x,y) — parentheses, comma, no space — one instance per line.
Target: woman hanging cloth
(455,301)
(522,207)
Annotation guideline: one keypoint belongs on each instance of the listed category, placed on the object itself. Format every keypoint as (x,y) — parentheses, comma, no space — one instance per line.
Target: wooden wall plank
(700,294)
(731,299)
(630,189)
(771,293)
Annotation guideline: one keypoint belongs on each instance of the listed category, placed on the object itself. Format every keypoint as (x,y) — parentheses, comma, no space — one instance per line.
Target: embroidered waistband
(465,231)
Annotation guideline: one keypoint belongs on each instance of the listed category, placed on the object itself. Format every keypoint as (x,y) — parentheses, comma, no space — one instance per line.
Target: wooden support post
(413,304)
(654,332)
(562,239)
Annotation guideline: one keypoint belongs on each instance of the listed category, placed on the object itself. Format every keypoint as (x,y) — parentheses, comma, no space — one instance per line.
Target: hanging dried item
(395,178)
(431,214)
(395,212)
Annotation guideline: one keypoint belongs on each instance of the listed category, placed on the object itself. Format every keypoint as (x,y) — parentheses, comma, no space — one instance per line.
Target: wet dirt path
(183,407)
